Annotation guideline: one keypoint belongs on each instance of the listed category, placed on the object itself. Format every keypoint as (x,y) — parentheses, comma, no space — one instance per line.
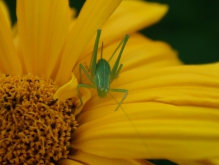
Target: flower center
(35,129)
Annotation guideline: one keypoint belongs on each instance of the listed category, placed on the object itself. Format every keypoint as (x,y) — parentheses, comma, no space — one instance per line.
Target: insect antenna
(101,54)
(131,122)
(115,51)
(115,100)
(124,40)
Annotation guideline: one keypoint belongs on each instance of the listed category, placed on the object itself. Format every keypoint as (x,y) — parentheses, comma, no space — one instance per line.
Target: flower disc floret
(35,129)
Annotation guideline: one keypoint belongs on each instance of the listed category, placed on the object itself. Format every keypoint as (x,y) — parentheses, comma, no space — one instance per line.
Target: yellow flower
(172,109)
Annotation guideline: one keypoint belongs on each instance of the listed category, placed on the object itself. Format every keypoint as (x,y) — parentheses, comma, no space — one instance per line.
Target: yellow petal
(69,162)
(163,130)
(179,85)
(5,13)
(66,91)
(9,63)
(43,26)
(139,52)
(92,17)
(96,160)
(129,17)
(143,52)
(153,130)
(132,16)
(85,96)
(213,161)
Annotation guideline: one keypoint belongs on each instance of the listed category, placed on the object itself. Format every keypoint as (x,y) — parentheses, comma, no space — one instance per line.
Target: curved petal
(91,17)
(9,62)
(129,17)
(153,130)
(68,90)
(139,52)
(97,160)
(179,85)
(69,162)
(42,34)
(5,13)
(143,52)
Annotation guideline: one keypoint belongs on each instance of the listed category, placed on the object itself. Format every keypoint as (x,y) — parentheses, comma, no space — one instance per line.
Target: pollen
(34,128)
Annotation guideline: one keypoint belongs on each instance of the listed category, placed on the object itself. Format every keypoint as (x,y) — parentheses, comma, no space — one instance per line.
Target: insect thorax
(102,77)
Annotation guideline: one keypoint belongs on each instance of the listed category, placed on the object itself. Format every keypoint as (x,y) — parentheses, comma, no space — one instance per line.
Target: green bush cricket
(101,75)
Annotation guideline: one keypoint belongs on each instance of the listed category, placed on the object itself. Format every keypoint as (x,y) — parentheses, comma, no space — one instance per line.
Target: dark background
(190,26)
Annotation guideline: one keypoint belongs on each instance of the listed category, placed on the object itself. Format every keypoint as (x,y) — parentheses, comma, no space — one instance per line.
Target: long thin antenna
(134,126)
(115,100)
(125,39)
(101,54)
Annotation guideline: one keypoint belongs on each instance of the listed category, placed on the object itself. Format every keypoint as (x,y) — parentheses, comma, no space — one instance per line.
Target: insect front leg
(123,98)
(80,85)
(81,67)
(79,93)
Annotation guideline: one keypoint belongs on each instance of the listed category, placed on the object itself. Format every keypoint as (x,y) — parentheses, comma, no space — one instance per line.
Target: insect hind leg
(123,98)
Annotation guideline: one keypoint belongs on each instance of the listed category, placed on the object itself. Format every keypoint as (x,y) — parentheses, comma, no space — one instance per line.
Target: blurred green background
(190,26)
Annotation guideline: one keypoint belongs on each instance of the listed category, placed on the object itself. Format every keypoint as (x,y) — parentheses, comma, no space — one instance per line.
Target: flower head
(168,107)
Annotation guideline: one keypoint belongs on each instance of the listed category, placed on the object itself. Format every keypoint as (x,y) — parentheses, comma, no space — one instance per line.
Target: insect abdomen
(102,77)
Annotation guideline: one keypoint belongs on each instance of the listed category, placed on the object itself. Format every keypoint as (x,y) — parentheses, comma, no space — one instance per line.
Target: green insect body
(102,78)
(101,75)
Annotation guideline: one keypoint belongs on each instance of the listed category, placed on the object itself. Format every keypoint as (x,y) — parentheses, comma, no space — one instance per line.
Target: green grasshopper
(101,75)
